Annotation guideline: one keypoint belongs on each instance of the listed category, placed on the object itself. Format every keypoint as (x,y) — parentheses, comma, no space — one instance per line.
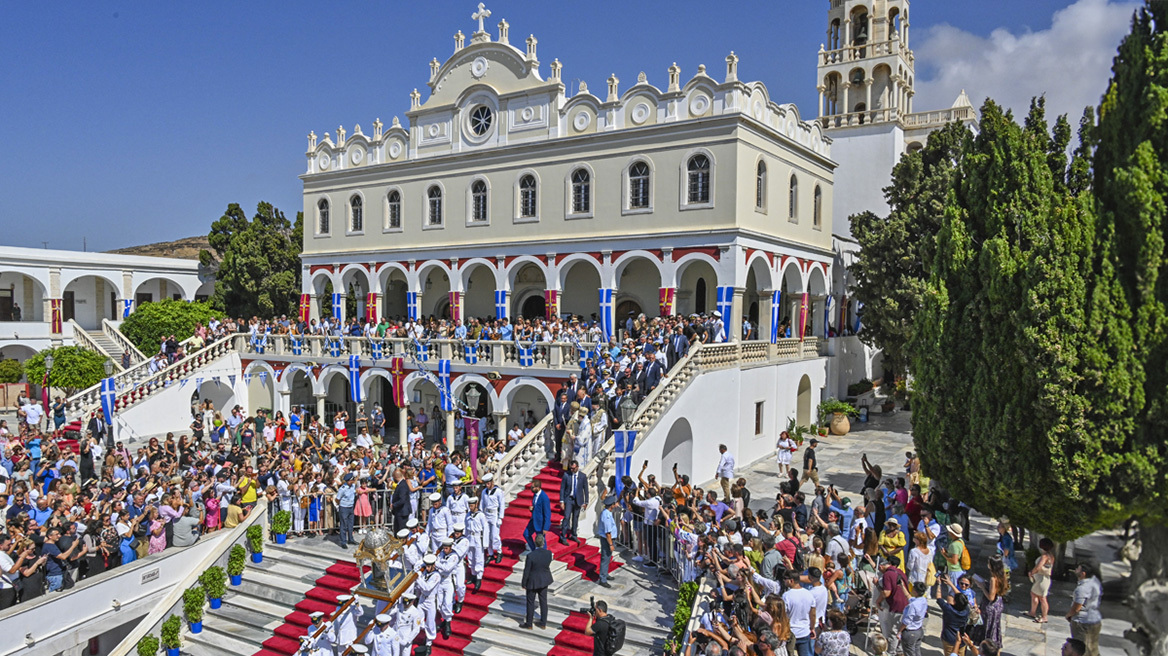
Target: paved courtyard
(885,438)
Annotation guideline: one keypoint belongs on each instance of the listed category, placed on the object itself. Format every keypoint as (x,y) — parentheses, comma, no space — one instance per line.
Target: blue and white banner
(423,351)
(412,305)
(471,352)
(584,355)
(127,307)
(725,306)
(108,399)
(776,313)
(297,346)
(375,349)
(500,304)
(355,378)
(337,301)
(231,380)
(259,342)
(606,313)
(625,443)
(447,399)
(263,377)
(526,355)
(859,310)
(247,379)
(826,316)
(335,347)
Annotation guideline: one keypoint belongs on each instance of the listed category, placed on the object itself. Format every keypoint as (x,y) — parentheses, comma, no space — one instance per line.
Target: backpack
(799,562)
(941,544)
(966,562)
(616,636)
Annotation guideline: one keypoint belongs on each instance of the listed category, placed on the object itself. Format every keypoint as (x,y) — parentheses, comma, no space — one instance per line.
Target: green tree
(257,261)
(74,368)
(11,371)
(153,322)
(1003,412)
(896,250)
(1130,304)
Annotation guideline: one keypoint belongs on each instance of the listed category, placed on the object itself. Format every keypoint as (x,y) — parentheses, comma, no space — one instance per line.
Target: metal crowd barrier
(662,545)
(381,507)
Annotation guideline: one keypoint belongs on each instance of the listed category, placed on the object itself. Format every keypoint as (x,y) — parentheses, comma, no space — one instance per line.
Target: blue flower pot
(196,627)
(281,538)
(217,602)
(236,579)
(257,557)
(172,651)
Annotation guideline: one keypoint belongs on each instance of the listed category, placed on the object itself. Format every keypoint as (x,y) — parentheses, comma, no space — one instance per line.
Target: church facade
(504,195)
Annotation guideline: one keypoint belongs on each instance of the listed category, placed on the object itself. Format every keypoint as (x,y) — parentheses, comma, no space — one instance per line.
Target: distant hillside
(186,248)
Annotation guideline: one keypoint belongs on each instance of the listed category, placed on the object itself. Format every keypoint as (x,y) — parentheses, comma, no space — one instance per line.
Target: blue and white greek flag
(423,351)
(859,310)
(375,349)
(258,342)
(585,355)
(471,353)
(500,304)
(337,300)
(335,347)
(606,313)
(725,306)
(776,311)
(526,355)
(625,442)
(355,378)
(263,377)
(297,346)
(127,307)
(412,305)
(108,399)
(826,316)
(447,399)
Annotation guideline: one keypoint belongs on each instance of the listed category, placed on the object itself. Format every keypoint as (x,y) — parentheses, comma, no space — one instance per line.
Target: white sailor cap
(403,534)
(488,477)
(412,522)
(460,527)
(343,598)
(437,496)
(383,618)
(447,542)
(409,595)
(316,615)
(359,649)
(430,559)
(470,500)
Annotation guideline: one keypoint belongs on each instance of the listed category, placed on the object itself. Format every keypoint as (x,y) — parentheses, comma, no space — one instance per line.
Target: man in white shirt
(725,471)
(801,611)
(33,414)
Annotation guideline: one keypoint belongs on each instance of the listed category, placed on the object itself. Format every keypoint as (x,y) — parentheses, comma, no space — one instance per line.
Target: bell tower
(866,66)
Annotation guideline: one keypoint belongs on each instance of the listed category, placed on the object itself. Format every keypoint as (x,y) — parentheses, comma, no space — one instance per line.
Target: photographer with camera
(608,632)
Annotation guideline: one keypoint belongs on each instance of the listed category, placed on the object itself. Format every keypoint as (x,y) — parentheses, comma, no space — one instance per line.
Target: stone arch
(218,392)
(393,281)
(478,279)
(803,402)
(696,277)
(85,298)
(507,394)
(515,266)
(317,283)
(688,260)
(816,284)
(435,281)
(258,388)
(638,279)
(579,276)
(459,385)
(19,351)
(29,296)
(678,447)
(187,292)
(322,379)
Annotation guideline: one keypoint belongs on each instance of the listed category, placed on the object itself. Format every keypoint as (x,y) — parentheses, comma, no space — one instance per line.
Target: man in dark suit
(99,430)
(572,385)
(400,501)
(574,496)
(560,415)
(678,345)
(537,576)
(541,514)
(653,372)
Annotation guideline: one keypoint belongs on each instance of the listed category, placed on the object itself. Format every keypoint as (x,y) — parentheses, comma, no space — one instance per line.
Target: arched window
(528,196)
(817,209)
(760,187)
(698,187)
(700,297)
(394,213)
(478,201)
(356,214)
(434,195)
(322,217)
(639,186)
(793,201)
(581,191)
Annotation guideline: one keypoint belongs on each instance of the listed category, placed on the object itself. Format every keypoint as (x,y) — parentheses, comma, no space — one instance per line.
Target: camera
(591,610)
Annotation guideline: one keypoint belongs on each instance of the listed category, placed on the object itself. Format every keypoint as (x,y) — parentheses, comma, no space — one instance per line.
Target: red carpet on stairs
(340,578)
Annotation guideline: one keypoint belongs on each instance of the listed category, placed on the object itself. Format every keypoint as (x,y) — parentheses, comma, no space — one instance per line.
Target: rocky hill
(186,248)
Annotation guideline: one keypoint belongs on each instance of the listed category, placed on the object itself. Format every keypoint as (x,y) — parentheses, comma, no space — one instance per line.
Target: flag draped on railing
(335,347)
(665,301)
(725,306)
(397,373)
(297,346)
(338,300)
(471,352)
(108,399)
(606,314)
(375,349)
(444,393)
(500,304)
(776,314)
(127,307)
(422,351)
(526,355)
(355,378)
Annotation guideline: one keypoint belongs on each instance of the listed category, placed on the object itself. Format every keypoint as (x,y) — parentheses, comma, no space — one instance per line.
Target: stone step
(256,605)
(510,610)
(241,613)
(294,555)
(272,586)
(218,643)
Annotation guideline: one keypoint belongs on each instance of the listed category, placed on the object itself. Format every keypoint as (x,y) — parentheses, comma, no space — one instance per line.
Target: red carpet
(338,579)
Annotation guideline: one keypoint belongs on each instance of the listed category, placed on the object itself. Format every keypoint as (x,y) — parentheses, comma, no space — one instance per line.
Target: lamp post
(472,427)
(45,383)
(628,408)
(109,430)
(625,439)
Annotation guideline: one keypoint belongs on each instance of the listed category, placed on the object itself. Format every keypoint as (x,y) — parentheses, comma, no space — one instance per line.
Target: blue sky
(135,122)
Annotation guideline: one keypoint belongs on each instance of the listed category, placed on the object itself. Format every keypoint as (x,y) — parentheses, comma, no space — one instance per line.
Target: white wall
(866,155)
(853,361)
(170,409)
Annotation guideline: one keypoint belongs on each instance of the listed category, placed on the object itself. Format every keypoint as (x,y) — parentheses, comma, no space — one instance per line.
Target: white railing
(111,331)
(860,118)
(939,118)
(83,339)
(858,52)
(531,447)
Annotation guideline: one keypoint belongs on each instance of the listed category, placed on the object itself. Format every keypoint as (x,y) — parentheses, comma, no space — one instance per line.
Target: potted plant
(255,540)
(798,433)
(171,641)
(147,646)
(235,562)
(839,412)
(281,524)
(193,599)
(214,583)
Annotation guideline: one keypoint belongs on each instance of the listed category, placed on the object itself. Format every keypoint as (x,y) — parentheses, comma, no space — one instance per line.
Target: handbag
(305,501)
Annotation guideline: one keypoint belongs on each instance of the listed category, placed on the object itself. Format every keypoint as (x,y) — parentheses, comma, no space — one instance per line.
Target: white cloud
(1069,63)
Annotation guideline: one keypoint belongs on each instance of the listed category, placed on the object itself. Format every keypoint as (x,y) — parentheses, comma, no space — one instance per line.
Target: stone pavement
(885,438)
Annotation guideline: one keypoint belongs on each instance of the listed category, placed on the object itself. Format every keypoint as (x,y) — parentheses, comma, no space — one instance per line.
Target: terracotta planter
(840,424)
